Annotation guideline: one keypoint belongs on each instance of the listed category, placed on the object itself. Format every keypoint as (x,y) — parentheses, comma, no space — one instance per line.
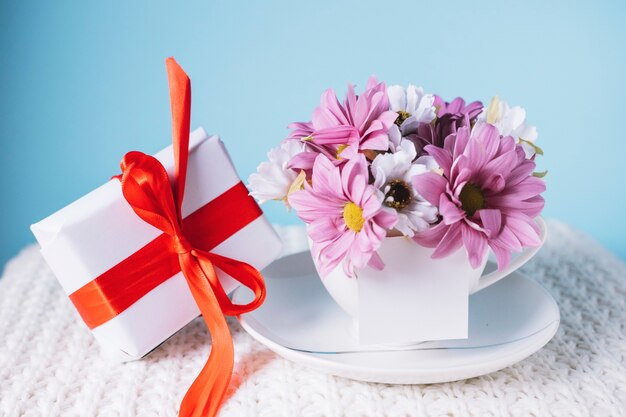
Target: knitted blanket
(50,364)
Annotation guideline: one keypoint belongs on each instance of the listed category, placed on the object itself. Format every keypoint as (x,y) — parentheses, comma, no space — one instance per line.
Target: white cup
(415,260)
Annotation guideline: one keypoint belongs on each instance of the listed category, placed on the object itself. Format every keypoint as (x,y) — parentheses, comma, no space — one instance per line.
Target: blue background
(84,82)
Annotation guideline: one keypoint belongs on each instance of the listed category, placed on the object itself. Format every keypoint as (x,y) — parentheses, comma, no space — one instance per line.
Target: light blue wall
(84,82)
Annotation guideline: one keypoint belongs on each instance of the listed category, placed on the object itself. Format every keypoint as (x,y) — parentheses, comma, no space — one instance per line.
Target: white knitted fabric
(50,364)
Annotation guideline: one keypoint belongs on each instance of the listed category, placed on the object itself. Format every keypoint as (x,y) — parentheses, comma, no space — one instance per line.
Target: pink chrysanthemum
(458,107)
(341,131)
(345,219)
(486,196)
(450,117)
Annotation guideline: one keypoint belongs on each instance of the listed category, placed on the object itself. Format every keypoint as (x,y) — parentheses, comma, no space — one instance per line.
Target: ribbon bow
(147,189)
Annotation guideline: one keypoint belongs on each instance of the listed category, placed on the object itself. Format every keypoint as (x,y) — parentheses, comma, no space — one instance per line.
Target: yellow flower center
(353,217)
(472,199)
(340,149)
(402,116)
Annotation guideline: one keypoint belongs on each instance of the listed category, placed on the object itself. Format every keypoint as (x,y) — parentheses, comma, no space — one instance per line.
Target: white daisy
(273,179)
(413,107)
(511,121)
(392,177)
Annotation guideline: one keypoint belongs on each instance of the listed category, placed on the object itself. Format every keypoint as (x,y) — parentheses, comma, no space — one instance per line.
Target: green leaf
(540,174)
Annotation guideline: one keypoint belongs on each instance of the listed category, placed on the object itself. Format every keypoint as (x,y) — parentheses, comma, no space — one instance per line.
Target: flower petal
(476,245)
(524,231)
(430,186)
(355,167)
(503,255)
(397,98)
(492,221)
(323,229)
(376,262)
(336,135)
(528,188)
(332,254)
(430,238)
(450,212)
(303,160)
(450,242)
(442,157)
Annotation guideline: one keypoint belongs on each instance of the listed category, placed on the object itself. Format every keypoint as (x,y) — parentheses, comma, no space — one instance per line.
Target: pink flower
(341,131)
(450,117)
(345,219)
(486,196)
(458,107)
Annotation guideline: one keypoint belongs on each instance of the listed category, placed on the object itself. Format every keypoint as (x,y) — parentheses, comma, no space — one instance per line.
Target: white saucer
(509,321)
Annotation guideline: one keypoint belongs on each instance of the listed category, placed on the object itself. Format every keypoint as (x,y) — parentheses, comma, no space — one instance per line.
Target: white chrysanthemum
(413,107)
(273,180)
(511,121)
(392,177)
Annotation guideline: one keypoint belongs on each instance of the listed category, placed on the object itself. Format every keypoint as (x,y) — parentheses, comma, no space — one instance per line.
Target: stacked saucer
(508,322)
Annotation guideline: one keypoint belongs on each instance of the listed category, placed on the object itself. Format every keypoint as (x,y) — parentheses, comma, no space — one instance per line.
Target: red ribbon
(184,246)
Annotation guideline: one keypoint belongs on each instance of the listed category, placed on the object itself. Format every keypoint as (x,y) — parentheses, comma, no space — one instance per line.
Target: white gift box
(88,237)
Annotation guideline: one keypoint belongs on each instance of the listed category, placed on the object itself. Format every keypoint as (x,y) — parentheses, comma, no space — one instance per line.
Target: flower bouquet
(394,161)
(395,164)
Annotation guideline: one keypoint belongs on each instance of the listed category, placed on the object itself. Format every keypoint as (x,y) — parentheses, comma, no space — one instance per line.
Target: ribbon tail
(205,396)
(246,274)
(180,99)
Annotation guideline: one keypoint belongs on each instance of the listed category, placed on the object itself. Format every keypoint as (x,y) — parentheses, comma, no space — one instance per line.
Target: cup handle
(525,256)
